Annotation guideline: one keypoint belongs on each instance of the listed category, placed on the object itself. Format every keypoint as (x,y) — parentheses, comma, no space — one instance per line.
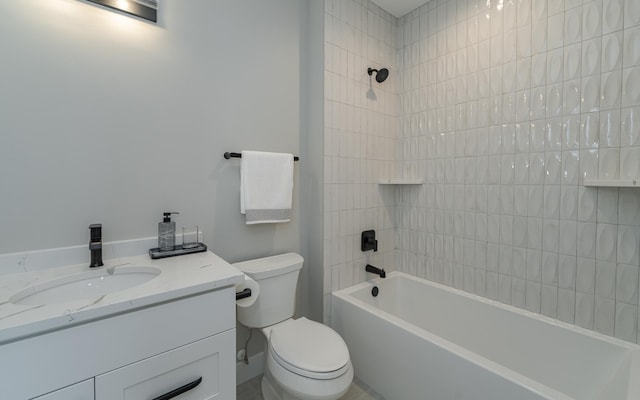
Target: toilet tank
(277,277)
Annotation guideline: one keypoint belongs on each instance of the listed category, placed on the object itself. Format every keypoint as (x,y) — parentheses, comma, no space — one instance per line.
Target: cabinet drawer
(80,391)
(209,359)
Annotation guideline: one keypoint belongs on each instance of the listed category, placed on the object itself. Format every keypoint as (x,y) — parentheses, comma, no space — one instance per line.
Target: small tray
(178,250)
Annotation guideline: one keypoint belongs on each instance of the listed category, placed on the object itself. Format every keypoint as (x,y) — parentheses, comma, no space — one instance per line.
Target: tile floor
(250,390)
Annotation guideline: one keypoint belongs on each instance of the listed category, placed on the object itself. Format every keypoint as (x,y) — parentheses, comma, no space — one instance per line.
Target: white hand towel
(266,187)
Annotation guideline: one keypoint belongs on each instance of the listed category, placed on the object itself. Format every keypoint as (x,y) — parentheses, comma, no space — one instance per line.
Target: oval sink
(88,284)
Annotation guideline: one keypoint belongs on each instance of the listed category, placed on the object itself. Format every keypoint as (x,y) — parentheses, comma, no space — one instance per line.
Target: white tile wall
(361,134)
(504,108)
(547,96)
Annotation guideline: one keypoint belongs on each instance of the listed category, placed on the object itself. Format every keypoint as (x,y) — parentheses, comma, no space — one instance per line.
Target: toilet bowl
(304,359)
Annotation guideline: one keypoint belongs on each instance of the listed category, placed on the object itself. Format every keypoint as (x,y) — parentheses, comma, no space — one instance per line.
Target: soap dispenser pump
(167,232)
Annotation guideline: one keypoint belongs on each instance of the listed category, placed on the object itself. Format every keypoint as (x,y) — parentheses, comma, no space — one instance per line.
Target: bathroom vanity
(173,333)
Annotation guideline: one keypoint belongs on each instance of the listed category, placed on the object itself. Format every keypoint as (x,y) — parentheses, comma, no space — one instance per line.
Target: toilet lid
(309,348)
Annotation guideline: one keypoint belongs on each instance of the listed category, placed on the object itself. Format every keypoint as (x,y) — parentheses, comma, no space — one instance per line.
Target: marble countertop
(179,277)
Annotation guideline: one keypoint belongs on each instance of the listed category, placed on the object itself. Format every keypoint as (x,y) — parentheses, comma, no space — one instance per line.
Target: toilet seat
(309,349)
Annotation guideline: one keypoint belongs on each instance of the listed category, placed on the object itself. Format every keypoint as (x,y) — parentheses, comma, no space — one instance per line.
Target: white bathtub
(421,340)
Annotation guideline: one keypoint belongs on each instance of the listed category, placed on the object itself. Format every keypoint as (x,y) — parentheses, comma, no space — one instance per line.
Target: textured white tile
(553,139)
(586,240)
(550,232)
(627,283)
(539,10)
(555,65)
(492,285)
(570,168)
(626,322)
(554,99)
(628,245)
(535,201)
(538,133)
(550,269)
(590,92)
(591,56)
(568,237)
(553,168)
(569,202)
(549,301)
(629,207)
(573,26)
(552,201)
(609,163)
(606,242)
(630,132)
(630,82)
(529,104)
(612,16)
(631,47)
(610,90)
(538,69)
(555,7)
(591,19)
(571,97)
(518,292)
(533,297)
(523,12)
(504,289)
(566,305)
(585,304)
(555,32)
(610,129)
(521,201)
(588,165)
(539,36)
(572,61)
(604,315)
(631,13)
(590,131)
(586,275)
(506,259)
(605,279)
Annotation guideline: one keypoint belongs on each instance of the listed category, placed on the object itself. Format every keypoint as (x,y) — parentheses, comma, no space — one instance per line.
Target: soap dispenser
(167,232)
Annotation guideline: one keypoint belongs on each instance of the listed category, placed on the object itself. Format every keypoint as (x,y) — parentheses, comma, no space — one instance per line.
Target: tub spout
(375,270)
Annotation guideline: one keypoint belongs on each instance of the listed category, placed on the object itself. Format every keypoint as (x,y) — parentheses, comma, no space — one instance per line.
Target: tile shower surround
(503,108)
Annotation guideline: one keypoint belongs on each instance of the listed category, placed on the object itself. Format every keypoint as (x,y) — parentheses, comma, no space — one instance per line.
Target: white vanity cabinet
(139,354)
(193,372)
(79,391)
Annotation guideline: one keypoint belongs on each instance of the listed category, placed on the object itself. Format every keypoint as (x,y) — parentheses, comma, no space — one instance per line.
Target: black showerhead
(381,75)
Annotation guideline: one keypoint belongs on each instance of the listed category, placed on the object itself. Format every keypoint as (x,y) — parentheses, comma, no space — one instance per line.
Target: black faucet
(368,241)
(375,270)
(95,245)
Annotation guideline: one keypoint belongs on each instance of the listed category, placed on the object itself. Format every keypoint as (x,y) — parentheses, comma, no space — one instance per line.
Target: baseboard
(246,372)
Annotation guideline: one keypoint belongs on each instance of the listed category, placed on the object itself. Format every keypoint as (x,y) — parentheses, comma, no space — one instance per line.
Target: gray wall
(105,118)
(312,170)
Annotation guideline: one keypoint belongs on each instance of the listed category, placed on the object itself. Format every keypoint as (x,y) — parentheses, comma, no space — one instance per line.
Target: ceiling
(399,8)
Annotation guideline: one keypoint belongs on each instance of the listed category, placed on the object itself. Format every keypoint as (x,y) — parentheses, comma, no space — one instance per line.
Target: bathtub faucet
(375,270)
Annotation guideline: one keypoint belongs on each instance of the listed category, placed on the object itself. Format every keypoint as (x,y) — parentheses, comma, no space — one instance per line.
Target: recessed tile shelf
(612,183)
(401,182)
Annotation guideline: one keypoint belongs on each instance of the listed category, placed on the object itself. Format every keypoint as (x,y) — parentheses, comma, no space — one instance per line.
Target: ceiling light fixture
(146,9)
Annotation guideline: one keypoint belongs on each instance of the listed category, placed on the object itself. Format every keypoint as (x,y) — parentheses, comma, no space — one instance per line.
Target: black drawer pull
(180,390)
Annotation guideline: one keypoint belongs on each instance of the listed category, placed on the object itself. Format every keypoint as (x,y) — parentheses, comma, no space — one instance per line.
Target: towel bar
(229,155)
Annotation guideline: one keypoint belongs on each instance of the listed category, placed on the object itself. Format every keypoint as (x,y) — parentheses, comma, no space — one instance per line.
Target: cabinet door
(80,391)
(198,371)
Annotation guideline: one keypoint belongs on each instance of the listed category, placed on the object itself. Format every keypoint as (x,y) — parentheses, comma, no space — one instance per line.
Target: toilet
(304,359)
